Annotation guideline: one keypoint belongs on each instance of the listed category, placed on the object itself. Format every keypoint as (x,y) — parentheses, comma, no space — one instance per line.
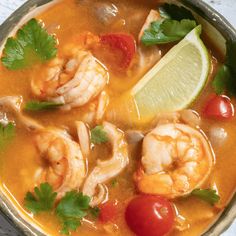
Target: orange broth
(20,160)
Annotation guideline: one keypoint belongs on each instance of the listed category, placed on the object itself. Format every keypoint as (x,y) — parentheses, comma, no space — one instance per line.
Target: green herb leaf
(7,133)
(174,12)
(114,182)
(43,199)
(39,106)
(71,209)
(98,135)
(208,195)
(161,32)
(225,79)
(95,212)
(221,81)
(32,43)
(178,29)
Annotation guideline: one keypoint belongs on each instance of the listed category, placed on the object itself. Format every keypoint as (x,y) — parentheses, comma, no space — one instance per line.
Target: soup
(95,115)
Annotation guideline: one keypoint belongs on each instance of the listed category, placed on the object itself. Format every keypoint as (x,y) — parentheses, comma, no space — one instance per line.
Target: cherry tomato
(108,211)
(219,107)
(149,215)
(125,43)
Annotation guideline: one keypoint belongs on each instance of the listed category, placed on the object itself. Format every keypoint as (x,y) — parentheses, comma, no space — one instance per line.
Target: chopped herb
(208,195)
(32,43)
(225,79)
(167,31)
(95,212)
(71,209)
(178,29)
(7,133)
(114,182)
(98,135)
(39,106)
(174,12)
(221,81)
(43,199)
(175,24)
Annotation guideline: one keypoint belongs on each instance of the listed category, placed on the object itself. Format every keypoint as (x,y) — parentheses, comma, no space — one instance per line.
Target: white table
(226,7)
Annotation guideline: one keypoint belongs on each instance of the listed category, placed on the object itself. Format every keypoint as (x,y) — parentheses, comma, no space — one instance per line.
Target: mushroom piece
(105,12)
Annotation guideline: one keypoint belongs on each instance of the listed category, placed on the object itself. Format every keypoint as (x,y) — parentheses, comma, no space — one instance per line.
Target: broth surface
(20,160)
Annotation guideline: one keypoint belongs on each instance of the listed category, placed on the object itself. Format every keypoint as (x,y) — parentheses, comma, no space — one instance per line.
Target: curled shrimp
(64,167)
(96,110)
(75,80)
(64,162)
(108,169)
(176,159)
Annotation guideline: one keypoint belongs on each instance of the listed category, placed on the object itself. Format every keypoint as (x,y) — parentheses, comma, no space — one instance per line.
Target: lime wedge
(172,84)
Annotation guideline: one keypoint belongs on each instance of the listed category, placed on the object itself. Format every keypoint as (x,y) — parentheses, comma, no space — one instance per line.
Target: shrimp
(65,167)
(176,159)
(73,81)
(108,169)
(96,109)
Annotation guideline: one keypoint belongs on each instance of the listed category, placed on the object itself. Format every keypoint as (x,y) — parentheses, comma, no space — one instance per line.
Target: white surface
(226,7)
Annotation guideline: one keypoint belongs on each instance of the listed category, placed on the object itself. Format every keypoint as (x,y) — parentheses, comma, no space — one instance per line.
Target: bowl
(217,28)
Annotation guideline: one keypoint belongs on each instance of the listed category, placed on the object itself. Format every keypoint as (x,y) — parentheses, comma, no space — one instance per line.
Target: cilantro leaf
(98,135)
(221,81)
(39,106)
(43,199)
(174,12)
(166,31)
(7,133)
(32,43)
(95,212)
(178,29)
(114,182)
(70,224)
(225,79)
(71,209)
(208,195)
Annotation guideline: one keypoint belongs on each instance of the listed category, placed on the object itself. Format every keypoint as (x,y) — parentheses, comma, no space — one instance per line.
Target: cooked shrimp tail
(176,159)
(65,165)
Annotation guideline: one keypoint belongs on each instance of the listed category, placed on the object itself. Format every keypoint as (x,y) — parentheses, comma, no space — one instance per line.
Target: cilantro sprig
(95,212)
(225,79)
(40,106)
(208,195)
(71,209)
(32,43)
(175,24)
(7,133)
(98,135)
(42,199)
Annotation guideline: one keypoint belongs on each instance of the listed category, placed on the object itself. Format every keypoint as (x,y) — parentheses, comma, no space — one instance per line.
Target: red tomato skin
(149,215)
(219,107)
(124,42)
(108,211)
